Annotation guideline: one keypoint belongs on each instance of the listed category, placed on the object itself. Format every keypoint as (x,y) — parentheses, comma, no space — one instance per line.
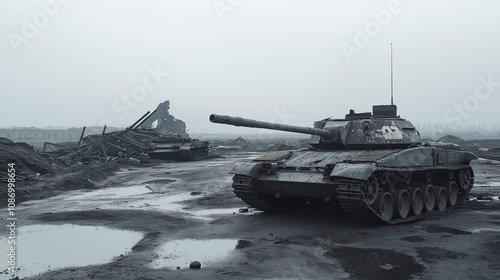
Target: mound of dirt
(27,161)
(451,139)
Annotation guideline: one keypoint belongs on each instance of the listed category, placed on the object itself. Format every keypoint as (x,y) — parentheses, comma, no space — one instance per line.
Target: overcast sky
(84,63)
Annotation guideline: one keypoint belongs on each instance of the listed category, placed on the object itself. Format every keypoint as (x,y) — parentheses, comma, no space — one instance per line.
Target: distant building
(48,135)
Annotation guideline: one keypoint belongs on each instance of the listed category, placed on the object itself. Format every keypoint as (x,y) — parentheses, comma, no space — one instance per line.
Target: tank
(176,147)
(372,165)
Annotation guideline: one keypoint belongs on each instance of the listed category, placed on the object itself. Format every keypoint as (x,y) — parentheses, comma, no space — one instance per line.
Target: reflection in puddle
(47,247)
(483,198)
(375,263)
(180,253)
(223,211)
(158,187)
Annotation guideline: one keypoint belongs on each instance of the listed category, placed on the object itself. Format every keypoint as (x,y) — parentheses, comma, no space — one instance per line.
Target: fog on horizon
(87,63)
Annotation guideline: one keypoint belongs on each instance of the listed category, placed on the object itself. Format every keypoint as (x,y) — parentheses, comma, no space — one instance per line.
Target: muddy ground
(151,222)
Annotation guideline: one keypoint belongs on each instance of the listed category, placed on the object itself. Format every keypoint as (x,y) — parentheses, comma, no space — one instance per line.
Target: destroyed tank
(177,147)
(373,165)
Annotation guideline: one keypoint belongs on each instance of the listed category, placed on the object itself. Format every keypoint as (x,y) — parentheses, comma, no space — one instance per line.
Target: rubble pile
(280,146)
(105,147)
(135,141)
(238,142)
(28,163)
(231,144)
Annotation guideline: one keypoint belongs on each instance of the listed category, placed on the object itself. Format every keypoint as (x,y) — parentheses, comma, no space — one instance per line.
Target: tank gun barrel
(237,121)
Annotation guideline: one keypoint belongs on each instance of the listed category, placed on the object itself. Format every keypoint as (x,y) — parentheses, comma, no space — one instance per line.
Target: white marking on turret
(391,132)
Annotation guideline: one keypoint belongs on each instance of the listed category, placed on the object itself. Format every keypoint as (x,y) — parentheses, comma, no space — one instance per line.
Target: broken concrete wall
(166,122)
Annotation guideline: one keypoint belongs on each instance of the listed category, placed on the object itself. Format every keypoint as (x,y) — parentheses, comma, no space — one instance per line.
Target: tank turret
(382,129)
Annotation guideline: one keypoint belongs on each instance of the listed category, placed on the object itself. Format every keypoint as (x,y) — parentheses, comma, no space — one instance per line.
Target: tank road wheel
(371,190)
(402,203)
(465,179)
(452,190)
(417,200)
(384,206)
(429,197)
(441,198)
(450,175)
(428,176)
(407,178)
(384,177)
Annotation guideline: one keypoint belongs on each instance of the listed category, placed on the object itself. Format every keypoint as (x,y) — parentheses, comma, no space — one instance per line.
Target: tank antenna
(392,81)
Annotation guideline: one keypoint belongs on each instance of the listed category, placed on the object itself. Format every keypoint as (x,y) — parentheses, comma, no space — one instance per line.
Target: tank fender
(360,171)
(420,156)
(247,168)
(468,156)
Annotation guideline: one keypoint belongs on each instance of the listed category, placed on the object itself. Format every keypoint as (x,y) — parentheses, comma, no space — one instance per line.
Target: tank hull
(182,149)
(387,186)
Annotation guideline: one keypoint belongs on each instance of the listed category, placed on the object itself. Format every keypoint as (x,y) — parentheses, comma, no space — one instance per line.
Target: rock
(134,160)
(195,265)
(195,193)
(243,244)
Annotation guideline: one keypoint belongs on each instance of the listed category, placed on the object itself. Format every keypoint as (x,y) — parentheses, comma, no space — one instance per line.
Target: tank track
(243,188)
(352,199)
(198,153)
(350,196)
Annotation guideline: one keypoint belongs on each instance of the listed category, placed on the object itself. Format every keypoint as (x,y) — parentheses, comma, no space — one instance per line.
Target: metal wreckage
(138,140)
(373,165)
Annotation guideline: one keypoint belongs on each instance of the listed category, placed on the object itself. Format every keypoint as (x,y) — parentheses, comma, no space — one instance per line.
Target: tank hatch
(379,111)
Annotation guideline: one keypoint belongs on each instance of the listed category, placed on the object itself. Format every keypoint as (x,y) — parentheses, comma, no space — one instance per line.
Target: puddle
(483,198)
(169,203)
(155,186)
(375,263)
(158,187)
(488,161)
(160,181)
(486,184)
(443,229)
(224,211)
(111,192)
(218,163)
(41,248)
(479,230)
(413,238)
(180,253)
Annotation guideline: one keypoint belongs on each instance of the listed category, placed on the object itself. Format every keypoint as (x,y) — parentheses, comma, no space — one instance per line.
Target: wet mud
(376,263)
(177,213)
